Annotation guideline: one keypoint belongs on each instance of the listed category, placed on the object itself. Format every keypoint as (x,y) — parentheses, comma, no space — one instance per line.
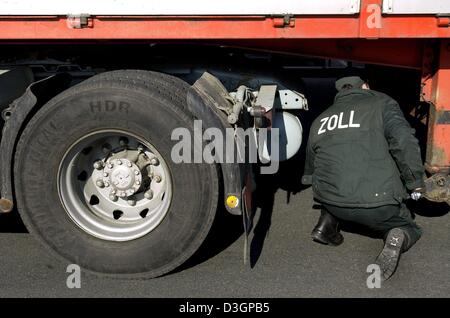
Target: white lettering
(340,125)
(207,309)
(351,124)
(373,20)
(209,146)
(181,151)
(213,151)
(74,279)
(198,141)
(332,123)
(321,129)
(374,279)
(335,121)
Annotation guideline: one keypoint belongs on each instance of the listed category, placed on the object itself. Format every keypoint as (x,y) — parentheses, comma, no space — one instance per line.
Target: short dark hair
(347,86)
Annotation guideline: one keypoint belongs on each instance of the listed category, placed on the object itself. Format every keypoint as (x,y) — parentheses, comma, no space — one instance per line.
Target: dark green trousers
(380,219)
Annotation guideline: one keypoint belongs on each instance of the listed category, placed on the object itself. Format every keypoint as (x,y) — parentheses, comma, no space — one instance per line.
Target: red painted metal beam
(154,28)
(436,91)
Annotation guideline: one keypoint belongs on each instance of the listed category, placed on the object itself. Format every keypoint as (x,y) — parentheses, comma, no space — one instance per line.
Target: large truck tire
(95,182)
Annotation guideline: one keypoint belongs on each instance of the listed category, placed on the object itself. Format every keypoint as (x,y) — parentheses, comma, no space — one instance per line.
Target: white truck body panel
(416,6)
(177,7)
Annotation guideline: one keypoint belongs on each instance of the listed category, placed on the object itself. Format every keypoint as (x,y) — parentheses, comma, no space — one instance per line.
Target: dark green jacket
(362,152)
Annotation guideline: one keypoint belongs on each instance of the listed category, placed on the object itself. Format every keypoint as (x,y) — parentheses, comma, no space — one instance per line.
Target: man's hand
(417,194)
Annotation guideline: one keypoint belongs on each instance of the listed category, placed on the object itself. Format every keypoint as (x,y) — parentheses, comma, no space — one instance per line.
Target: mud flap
(247,212)
(16,116)
(204,100)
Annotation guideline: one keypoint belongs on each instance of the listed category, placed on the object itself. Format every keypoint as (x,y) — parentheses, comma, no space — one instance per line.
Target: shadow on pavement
(225,230)
(11,223)
(427,208)
(320,95)
(288,179)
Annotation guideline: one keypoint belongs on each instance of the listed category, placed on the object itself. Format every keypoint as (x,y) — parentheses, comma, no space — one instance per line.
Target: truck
(108,108)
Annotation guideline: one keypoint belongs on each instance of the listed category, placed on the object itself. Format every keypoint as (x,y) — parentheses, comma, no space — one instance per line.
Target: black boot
(327,230)
(396,242)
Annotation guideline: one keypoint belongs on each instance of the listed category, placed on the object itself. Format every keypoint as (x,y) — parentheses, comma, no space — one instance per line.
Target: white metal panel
(416,6)
(292,100)
(177,7)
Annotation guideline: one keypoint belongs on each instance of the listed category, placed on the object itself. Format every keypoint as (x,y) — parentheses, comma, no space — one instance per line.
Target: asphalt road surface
(284,261)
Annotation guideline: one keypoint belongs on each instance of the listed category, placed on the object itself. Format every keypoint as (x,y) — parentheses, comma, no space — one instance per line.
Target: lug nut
(98,165)
(105,174)
(106,184)
(123,141)
(119,162)
(131,191)
(157,178)
(106,148)
(154,161)
(110,165)
(113,197)
(136,172)
(129,165)
(100,183)
(148,194)
(131,202)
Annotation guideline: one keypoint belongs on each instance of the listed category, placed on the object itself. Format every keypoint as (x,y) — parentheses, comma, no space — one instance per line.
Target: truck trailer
(97,96)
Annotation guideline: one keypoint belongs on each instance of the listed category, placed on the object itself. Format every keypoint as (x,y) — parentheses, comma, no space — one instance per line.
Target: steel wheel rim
(102,210)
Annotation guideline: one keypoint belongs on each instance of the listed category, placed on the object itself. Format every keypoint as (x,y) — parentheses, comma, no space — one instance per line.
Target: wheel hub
(124,177)
(114,185)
